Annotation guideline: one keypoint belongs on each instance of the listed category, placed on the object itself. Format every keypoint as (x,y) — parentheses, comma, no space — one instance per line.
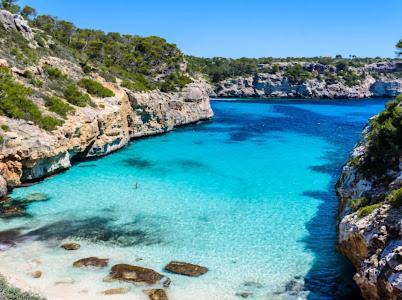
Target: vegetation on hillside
(15,103)
(384,140)
(218,68)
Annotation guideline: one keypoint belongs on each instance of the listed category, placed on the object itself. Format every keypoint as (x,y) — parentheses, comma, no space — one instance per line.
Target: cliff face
(30,153)
(370,227)
(265,85)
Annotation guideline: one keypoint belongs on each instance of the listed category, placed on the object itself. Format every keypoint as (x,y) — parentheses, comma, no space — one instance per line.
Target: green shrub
(74,96)
(354,204)
(366,210)
(95,88)
(395,198)
(58,106)
(138,84)
(15,102)
(296,74)
(54,73)
(1,139)
(5,127)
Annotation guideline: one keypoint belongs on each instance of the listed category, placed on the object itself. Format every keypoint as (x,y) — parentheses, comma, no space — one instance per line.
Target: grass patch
(58,106)
(95,88)
(395,198)
(366,210)
(74,96)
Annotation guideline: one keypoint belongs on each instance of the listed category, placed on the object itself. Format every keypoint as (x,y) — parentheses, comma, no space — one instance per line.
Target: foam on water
(249,195)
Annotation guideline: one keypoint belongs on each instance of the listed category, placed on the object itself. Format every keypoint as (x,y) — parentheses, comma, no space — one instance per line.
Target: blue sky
(252,28)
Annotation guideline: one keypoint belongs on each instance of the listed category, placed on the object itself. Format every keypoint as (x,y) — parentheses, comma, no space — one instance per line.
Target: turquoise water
(249,195)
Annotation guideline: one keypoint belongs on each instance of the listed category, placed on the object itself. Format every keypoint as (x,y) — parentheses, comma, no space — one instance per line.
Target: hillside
(70,93)
(317,77)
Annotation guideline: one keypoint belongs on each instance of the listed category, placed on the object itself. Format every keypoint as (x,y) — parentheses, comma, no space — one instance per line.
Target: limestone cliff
(376,80)
(29,153)
(370,227)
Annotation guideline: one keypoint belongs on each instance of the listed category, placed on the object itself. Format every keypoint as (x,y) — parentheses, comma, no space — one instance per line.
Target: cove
(249,194)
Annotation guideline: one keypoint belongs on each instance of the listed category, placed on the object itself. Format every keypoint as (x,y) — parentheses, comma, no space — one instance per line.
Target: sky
(240,28)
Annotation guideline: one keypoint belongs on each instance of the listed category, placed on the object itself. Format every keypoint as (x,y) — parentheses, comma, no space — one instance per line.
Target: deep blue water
(249,194)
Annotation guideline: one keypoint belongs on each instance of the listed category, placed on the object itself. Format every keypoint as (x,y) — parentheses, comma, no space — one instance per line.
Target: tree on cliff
(10,5)
(399,48)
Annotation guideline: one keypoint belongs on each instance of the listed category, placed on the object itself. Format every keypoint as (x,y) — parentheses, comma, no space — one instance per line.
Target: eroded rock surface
(156,294)
(373,241)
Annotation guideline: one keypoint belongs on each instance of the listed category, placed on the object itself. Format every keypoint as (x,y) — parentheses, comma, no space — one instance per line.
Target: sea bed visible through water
(249,194)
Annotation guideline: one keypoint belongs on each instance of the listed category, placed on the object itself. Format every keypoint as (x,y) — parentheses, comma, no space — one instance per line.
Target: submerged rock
(186,269)
(5,245)
(10,208)
(156,294)
(36,274)
(91,262)
(134,274)
(71,246)
(116,291)
(167,282)
(244,294)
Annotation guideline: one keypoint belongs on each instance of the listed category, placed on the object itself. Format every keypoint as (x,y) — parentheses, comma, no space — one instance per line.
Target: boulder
(156,294)
(91,262)
(134,274)
(71,246)
(186,269)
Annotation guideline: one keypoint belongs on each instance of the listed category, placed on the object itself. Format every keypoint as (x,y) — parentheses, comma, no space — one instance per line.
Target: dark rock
(91,262)
(134,274)
(244,294)
(252,284)
(186,269)
(71,246)
(167,282)
(5,245)
(156,294)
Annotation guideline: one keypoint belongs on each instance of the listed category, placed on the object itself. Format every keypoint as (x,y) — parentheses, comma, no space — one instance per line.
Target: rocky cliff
(316,80)
(29,151)
(370,227)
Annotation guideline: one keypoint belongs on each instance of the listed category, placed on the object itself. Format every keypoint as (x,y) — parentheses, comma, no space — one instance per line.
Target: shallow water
(249,195)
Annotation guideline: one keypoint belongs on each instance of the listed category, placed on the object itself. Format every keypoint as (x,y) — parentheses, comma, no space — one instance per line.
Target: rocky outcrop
(16,22)
(29,153)
(372,241)
(266,85)
(186,269)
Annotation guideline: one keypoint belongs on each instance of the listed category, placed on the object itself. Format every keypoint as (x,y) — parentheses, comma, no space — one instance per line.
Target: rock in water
(5,245)
(156,294)
(116,291)
(91,262)
(71,246)
(186,269)
(36,274)
(134,274)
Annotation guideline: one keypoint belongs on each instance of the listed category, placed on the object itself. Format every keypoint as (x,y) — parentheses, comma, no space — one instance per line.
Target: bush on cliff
(74,96)
(366,210)
(58,106)
(385,141)
(395,198)
(15,102)
(95,88)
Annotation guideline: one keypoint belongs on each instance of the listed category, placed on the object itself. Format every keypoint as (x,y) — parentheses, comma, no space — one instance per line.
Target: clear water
(249,195)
